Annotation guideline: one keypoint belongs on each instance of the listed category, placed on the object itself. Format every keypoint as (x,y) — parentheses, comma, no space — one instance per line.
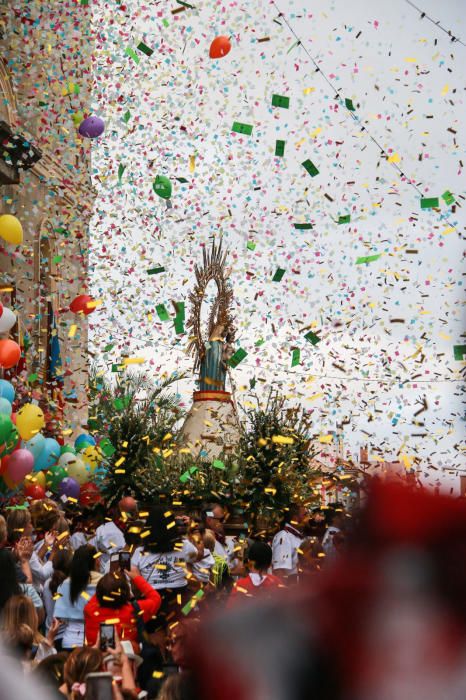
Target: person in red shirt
(258,582)
(112,604)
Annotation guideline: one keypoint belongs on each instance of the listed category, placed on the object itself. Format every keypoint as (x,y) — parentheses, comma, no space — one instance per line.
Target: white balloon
(7,320)
(67,458)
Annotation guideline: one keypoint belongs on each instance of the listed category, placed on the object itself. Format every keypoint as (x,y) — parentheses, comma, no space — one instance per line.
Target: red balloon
(219,47)
(10,352)
(80,303)
(1,309)
(128,505)
(4,464)
(89,494)
(34,491)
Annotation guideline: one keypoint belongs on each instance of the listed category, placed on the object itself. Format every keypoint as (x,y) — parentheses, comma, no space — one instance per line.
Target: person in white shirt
(164,559)
(287,542)
(335,522)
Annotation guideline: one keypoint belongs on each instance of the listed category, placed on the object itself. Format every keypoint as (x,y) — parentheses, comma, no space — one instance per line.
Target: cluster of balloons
(10,352)
(40,463)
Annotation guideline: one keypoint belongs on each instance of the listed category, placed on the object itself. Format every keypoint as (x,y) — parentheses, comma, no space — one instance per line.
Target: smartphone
(99,686)
(107,636)
(114,563)
(125,561)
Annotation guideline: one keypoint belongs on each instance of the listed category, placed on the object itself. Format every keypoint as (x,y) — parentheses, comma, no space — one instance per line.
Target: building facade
(45,181)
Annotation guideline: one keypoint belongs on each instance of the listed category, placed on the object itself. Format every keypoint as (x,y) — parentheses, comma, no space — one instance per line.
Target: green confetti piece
(33,378)
(155,270)
(162,186)
(121,170)
(429,202)
(117,368)
(280,148)
(183,180)
(132,54)
(295,357)
(144,49)
(296,43)
(448,198)
(165,22)
(278,276)
(252,383)
(240,128)
(162,312)
(186,4)
(251,245)
(312,338)
(109,347)
(185,477)
(57,259)
(368,259)
(237,357)
(310,167)
(127,116)
(280,101)
(106,447)
(218,464)
(179,326)
(459,351)
(259,342)
(190,605)
(345,219)
(349,104)
(303,227)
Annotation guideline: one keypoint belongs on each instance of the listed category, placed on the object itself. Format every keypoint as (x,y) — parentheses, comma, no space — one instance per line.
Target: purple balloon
(92,127)
(69,487)
(20,463)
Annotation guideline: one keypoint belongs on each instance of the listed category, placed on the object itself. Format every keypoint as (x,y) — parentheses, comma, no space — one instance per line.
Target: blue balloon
(34,445)
(5,406)
(7,390)
(83,441)
(48,456)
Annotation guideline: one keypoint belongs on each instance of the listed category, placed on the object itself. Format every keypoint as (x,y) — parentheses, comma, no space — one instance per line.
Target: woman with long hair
(164,559)
(78,665)
(10,585)
(74,593)
(20,630)
(61,561)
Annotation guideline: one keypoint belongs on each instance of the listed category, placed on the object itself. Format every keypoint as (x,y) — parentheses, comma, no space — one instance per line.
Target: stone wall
(45,83)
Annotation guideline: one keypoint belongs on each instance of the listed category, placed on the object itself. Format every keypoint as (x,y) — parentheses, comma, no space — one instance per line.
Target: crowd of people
(95,596)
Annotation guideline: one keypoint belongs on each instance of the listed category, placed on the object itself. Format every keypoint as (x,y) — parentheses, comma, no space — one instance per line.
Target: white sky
(406,80)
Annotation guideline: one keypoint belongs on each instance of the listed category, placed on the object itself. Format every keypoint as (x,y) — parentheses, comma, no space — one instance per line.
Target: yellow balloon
(92,456)
(36,478)
(10,229)
(78,470)
(29,420)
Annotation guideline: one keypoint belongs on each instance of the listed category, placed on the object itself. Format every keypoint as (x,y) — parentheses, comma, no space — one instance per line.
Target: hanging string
(424,15)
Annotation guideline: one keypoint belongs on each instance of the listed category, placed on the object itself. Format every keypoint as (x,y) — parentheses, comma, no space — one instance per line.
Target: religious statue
(211,426)
(212,347)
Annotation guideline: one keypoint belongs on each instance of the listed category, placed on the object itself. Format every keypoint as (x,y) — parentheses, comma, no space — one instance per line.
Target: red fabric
(244,588)
(126,626)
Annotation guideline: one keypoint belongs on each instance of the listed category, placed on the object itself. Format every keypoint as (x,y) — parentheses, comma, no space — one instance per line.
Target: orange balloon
(219,47)
(10,352)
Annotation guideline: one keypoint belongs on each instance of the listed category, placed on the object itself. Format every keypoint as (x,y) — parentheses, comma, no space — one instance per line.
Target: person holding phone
(112,601)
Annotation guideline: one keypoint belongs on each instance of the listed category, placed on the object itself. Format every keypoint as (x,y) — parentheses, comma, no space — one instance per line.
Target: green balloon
(9,436)
(55,476)
(67,448)
(162,186)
